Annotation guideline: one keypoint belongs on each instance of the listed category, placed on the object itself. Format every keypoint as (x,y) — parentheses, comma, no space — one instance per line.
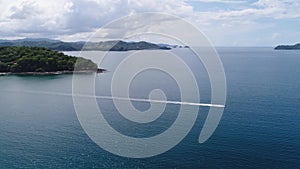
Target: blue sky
(224,22)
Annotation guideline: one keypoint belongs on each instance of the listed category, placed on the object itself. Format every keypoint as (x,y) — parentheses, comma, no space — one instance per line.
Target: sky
(224,22)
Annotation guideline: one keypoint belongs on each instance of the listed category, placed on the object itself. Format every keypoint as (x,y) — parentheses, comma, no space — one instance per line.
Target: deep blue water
(260,127)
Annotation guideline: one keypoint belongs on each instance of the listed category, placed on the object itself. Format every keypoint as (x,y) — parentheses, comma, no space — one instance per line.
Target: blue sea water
(260,127)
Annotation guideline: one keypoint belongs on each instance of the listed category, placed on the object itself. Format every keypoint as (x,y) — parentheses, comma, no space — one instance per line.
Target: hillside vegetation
(78,46)
(288,47)
(38,59)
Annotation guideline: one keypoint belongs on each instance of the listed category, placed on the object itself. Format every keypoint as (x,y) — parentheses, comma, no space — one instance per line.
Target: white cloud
(23,18)
(68,17)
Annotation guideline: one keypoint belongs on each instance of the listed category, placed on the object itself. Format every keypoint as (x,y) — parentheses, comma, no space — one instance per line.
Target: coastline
(54,73)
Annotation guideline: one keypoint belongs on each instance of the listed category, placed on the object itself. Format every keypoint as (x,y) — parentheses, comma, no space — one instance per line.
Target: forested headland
(15,59)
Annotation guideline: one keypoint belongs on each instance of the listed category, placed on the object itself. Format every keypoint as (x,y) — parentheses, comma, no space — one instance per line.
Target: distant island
(38,60)
(288,47)
(81,45)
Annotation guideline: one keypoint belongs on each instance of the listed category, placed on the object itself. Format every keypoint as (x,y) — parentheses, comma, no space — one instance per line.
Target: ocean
(260,126)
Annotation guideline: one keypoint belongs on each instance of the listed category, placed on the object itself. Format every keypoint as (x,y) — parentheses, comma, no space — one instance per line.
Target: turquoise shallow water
(260,127)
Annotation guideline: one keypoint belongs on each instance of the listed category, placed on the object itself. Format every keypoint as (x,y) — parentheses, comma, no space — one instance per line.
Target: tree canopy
(39,59)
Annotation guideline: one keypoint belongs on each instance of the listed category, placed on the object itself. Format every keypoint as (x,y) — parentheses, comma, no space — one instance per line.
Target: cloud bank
(226,22)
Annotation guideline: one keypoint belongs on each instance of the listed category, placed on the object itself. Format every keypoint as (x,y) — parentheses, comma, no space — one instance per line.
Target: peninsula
(288,47)
(38,60)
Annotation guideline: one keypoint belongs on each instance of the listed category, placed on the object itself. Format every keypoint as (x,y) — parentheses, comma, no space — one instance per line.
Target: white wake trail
(118,98)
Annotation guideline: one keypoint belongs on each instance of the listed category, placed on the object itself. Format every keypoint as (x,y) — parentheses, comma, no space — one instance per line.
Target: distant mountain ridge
(288,47)
(77,46)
